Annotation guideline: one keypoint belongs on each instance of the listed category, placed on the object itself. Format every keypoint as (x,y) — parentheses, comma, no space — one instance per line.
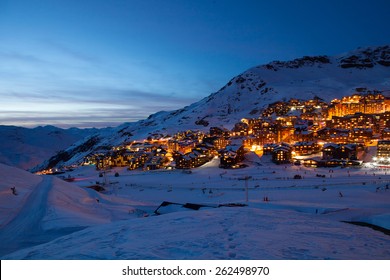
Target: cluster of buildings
(310,132)
(371,103)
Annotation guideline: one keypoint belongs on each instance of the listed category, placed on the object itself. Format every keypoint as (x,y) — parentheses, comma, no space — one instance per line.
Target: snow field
(301,220)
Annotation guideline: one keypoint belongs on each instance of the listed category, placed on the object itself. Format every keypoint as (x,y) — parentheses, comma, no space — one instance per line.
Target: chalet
(186,146)
(191,160)
(139,160)
(154,162)
(327,134)
(240,129)
(263,125)
(120,158)
(383,150)
(282,154)
(231,156)
(332,151)
(204,150)
(257,125)
(329,150)
(360,135)
(339,138)
(265,136)
(217,142)
(323,133)
(269,148)
(305,148)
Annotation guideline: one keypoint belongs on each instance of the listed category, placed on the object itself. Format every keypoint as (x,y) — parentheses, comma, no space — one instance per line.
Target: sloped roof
(282,148)
(233,148)
(331,145)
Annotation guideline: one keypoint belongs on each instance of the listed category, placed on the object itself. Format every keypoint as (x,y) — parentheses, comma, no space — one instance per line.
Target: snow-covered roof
(303,143)
(331,145)
(282,148)
(233,148)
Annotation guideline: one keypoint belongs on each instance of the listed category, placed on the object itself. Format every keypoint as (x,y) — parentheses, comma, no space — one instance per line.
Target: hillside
(28,147)
(248,93)
(46,207)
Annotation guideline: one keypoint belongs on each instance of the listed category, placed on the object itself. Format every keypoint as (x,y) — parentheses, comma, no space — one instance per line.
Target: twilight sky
(100,63)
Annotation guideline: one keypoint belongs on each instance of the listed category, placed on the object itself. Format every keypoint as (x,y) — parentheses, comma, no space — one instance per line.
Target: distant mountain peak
(27,147)
(366,58)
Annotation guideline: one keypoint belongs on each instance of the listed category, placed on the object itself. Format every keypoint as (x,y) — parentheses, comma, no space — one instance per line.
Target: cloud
(20,57)
(114,97)
(85,108)
(72,52)
(33,119)
(64,86)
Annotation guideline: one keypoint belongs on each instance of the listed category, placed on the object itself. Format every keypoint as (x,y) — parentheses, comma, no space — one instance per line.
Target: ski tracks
(25,230)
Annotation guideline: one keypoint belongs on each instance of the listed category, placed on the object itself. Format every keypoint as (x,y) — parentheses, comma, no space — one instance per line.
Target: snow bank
(24,182)
(223,233)
(300,220)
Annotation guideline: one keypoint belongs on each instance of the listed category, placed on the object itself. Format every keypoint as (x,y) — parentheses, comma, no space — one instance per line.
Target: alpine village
(344,132)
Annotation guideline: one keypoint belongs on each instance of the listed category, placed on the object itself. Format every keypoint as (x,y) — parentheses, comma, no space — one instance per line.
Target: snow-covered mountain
(28,147)
(248,93)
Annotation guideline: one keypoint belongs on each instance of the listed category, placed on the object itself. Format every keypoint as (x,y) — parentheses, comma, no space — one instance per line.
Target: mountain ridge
(26,147)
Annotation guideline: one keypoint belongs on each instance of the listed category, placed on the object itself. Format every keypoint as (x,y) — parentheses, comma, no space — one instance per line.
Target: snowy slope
(26,148)
(302,219)
(217,234)
(46,207)
(246,94)
(23,181)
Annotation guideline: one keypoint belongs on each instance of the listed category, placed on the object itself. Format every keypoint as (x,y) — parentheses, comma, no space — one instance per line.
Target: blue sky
(101,63)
